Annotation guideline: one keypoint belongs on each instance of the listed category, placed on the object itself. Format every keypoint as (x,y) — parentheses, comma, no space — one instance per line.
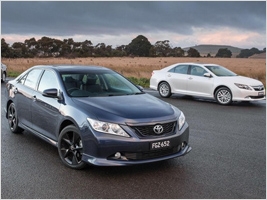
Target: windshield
(220,71)
(95,84)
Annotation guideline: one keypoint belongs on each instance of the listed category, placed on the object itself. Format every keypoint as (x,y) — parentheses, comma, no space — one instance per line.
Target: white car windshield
(220,71)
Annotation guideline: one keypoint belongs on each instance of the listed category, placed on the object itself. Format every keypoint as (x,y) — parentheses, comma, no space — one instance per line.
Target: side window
(197,71)
(32,78)
(180,69)
(22,80)
(48,81)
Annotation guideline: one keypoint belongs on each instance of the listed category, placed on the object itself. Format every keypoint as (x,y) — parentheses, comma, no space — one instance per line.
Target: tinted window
(32,78)
(197,71)
(180,69)
(92,84)
(48,81)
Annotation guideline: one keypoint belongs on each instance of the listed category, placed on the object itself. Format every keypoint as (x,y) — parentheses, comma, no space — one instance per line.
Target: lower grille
(256,97)
(152,154)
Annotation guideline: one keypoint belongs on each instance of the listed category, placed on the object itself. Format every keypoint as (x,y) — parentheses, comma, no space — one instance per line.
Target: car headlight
(181,120)
(106,127)
(242,86)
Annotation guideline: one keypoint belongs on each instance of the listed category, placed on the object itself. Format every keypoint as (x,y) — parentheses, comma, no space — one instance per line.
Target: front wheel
(223,96)
(165,90)
(70,147)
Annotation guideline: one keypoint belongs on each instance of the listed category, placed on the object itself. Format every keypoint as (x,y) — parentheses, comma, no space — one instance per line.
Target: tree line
(139,46)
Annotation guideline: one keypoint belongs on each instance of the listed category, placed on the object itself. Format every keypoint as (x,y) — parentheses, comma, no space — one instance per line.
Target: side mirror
(208,75)
(140,87)
(51,93)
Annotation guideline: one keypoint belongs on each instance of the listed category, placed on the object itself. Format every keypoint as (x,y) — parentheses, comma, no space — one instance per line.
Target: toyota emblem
(158,129)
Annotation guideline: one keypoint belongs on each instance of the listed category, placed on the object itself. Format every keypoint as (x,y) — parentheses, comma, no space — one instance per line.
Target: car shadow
(261,103)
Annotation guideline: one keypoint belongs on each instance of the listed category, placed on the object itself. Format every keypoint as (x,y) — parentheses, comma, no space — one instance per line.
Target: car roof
(72,68)
(196,63)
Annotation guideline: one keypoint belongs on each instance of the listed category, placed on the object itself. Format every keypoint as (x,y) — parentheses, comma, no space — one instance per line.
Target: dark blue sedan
(94,115)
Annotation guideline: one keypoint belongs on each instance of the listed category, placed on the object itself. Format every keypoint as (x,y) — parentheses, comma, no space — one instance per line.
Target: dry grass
(142,67)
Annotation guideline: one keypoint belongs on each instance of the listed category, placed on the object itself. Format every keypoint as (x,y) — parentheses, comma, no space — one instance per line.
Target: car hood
(241,80)
(140,108)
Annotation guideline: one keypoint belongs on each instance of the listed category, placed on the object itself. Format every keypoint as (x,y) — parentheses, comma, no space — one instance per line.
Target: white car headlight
(181,120)
(242,86)
(106,127)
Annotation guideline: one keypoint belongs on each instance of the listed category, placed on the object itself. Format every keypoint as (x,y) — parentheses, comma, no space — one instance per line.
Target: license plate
(160,145)
(260,93)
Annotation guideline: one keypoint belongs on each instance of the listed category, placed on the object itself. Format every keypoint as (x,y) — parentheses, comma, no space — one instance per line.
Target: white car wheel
(165,90)
(223,96)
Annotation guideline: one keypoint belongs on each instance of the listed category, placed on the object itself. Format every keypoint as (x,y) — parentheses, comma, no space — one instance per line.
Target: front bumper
(104,150)
(248,95)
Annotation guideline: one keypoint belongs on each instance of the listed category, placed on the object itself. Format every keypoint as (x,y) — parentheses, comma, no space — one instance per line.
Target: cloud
(122,21)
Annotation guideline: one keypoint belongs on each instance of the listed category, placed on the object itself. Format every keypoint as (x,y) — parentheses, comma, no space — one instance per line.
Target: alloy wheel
(164,90)
(70,148)
(224,96)
(13,119)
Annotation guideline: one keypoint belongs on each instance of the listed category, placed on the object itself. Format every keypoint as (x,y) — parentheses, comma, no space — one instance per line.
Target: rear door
(24,90)
(177,77)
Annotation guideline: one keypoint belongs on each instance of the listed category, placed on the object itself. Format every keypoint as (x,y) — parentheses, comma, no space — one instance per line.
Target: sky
(184,23)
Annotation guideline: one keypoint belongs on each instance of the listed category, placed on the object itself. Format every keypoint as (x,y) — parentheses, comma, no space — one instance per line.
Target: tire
(70,147)
(164,90)
(3,80)
(223,96)
(13,120)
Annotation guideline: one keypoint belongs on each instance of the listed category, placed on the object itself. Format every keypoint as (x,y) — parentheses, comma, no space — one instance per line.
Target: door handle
(169,75)
(190,78)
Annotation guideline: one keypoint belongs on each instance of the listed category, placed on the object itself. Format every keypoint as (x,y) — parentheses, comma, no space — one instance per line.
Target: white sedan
(206,80)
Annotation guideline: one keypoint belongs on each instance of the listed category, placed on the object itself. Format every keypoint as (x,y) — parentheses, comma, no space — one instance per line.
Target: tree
(245,53)
(32,46)
(162,48)
(139,46)
(177,52)
(193,53)
(20,50)
(224,53)
(5,49)
(86,49)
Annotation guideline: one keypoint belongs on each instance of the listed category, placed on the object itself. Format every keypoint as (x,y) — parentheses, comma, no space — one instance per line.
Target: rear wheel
(3,77)
(70,147)
(13,120)
(223,96)
(165,90)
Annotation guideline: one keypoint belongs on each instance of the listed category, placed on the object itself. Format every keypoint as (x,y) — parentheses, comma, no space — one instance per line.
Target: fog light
(117,155)
(183,145)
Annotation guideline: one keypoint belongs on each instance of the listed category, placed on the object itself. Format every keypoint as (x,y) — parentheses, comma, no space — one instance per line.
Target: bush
(144,82)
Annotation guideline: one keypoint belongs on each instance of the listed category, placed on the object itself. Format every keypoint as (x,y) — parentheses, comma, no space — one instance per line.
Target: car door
(198,84)
(45,110)
(177,77)
(23,91)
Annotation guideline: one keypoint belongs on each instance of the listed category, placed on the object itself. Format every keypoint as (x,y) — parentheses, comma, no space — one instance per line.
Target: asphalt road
(228,160)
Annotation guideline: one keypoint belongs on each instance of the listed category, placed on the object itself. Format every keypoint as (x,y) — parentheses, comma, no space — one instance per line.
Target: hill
(205,49)
(260,56)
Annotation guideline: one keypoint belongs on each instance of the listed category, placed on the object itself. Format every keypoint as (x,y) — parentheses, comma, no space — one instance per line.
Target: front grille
(258,87)
(152,154)
(148,130)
